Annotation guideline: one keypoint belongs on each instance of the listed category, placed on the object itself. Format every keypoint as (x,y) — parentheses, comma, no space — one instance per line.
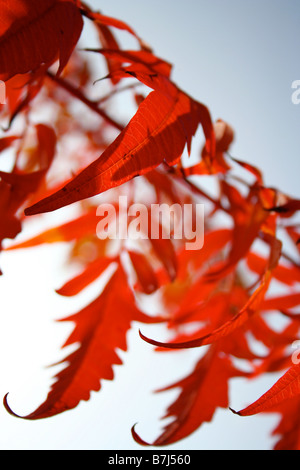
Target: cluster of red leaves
(220,296)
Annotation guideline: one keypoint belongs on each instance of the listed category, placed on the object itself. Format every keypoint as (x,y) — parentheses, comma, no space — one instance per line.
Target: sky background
(239,58)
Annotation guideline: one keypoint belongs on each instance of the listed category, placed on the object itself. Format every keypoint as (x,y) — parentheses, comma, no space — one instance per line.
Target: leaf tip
(8,408)
(137,438)
(235,412)
(29,211)
(148,340)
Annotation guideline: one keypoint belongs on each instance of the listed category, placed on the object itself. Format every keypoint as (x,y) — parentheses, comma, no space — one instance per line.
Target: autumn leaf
(6,142)
(288,274)
(288,386)
(89,274)
(224,135)
(288,428)
(145,58)
(74,229)
(147,280)
(159,131)
(251,307)
(201,393)
(21,91)
(224,296)
(33,33)
(19,185)
(292,206)
(284,302)
(248,216)
(103,20)
(99,337)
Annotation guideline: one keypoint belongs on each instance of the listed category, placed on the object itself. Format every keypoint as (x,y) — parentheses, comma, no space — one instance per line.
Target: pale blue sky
(239,57)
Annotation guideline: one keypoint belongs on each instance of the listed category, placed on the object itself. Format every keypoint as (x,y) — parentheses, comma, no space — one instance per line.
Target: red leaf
(102,20)
(159,131)
(18,186)
(86,277)
(252,306)
(75,229)
(17,100)
(288,209)
(281,303)
(227,328)
(288,428)
(252,169)
(5,142)
(224,137)
(108,40)
(145,58)
(288,386)
(202,392)
(294,236)
(35,33)
(100,328)
(248,216)
(165,252)
(288,275)
(147,280)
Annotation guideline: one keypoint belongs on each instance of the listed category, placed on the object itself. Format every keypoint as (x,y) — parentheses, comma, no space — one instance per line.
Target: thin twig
(118,90)
(81,97)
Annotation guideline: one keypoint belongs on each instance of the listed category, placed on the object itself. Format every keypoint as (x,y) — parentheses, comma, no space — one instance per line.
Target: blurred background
(240,59)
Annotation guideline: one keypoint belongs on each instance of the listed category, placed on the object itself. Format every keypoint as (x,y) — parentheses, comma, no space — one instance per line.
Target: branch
(81,97)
